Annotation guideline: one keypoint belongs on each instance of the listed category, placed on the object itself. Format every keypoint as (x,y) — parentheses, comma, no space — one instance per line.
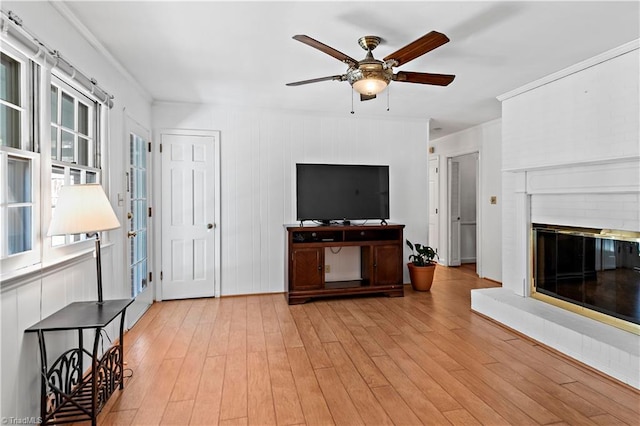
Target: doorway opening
(462,185)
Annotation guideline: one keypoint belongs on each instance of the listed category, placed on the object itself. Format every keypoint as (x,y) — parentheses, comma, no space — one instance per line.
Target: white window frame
(11,262)
(25,99)
(15,262)
(35,96)
(58,242)
(93,108)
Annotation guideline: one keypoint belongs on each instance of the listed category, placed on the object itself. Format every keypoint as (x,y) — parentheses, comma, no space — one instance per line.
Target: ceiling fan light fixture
(370,86)
(370,79)
(371,76)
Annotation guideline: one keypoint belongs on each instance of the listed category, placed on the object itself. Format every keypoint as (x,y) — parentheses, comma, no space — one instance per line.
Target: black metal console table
(66,395)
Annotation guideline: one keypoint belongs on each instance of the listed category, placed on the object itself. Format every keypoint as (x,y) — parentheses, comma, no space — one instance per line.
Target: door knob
(131,234)
(209,225)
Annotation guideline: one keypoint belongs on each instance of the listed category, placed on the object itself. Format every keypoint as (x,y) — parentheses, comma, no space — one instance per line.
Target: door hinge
(436,170)
(160,147)
(436,211)
(150,276)
(161,275)
(150,212)
(149,146)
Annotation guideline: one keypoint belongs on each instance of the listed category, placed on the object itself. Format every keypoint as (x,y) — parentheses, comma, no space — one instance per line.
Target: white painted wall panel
(591,115)
(26,301)
(259,150)
(28,380)
(10,355)
(485,139)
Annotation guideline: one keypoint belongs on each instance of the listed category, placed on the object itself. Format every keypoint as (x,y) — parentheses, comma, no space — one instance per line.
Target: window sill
(16,278)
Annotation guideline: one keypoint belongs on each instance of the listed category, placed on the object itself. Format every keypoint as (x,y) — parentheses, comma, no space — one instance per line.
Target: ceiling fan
(371,76)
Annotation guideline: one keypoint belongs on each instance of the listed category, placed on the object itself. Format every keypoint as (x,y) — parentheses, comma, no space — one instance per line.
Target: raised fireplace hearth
(593,272)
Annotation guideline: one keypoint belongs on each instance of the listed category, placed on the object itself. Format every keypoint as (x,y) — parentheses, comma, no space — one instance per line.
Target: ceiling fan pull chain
(388,90)
(352,112)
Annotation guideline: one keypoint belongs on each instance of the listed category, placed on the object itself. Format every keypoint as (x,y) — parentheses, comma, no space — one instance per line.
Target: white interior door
(454,212)
(189,214)
(434,205)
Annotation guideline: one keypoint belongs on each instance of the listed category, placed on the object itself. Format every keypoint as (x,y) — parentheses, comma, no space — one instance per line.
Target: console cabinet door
(387,265)
(307,268)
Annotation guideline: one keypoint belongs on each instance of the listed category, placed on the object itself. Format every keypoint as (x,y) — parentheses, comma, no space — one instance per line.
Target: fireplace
(593,272)
(570,156)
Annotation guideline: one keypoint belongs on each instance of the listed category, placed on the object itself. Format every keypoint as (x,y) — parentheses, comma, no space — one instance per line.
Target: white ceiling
(242,53)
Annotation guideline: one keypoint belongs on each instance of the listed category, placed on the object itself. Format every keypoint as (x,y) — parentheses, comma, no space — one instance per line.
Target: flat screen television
(342,192)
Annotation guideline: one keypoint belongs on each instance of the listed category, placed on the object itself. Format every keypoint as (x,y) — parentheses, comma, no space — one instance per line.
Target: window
(18,165)
(17,204)
(50,127)
(74,148)
(11,110)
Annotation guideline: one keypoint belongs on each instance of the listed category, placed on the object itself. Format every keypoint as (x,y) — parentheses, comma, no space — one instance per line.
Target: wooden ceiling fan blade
(326,49)
(424,78)
(419,47)
(366,97)
(316,80)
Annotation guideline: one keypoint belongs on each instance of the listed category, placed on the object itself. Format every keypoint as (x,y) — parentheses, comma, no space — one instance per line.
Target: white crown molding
(64,10)
(610,54)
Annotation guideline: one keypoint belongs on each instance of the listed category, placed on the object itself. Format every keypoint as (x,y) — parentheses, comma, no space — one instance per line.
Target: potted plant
(421,266)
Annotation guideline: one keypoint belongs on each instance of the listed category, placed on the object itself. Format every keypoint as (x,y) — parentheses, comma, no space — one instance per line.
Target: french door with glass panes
(138,220)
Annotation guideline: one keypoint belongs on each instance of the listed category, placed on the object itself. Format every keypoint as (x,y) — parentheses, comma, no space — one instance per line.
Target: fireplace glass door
(597,271)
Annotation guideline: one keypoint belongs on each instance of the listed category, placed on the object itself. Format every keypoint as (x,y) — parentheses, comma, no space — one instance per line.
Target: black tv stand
(69,394)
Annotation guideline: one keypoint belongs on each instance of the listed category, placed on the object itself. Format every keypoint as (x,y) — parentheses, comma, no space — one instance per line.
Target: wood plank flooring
(421,359)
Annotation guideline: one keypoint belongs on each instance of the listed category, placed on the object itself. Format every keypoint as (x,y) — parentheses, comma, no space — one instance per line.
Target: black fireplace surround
(592,268)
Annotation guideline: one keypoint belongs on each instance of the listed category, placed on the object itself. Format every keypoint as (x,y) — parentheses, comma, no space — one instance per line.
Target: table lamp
(84,209)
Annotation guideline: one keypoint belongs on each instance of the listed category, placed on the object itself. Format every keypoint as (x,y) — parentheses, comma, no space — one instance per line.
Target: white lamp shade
(82,209)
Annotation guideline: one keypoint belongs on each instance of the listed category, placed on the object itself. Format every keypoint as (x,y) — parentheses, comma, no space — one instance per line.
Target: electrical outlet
(327,269)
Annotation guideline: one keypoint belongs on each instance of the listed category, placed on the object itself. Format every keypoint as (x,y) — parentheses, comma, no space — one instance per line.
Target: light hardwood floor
(421,359)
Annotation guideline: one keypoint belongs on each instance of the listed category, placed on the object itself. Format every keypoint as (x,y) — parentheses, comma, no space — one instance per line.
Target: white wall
(571,156)
(259,150)
(486,140)
(26,301)
(576,123)
(587,116)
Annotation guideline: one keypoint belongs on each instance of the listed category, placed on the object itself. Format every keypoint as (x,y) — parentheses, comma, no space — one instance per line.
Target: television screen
(327,192)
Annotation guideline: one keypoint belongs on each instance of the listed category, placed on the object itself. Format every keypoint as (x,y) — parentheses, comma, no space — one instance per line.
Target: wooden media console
(381,250)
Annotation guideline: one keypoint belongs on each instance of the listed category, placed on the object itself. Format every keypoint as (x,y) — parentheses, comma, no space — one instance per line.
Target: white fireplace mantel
(570,156)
